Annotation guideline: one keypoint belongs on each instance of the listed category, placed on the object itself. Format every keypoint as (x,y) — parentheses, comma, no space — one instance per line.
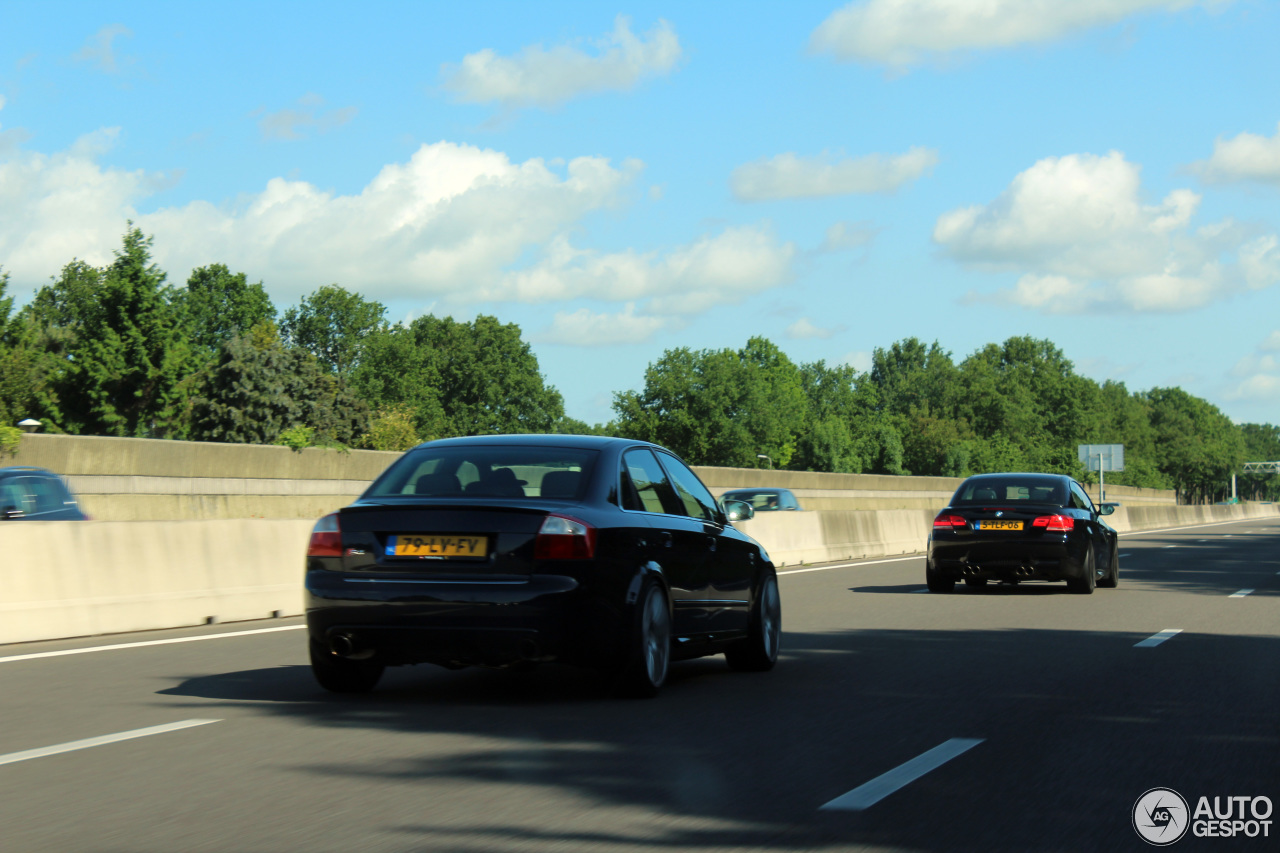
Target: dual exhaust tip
(1024,571)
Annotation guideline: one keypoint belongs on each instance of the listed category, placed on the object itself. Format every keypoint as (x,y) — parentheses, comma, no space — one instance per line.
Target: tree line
(117,350)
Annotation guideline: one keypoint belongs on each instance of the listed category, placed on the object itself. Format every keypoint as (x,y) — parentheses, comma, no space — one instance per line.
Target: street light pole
(765,458)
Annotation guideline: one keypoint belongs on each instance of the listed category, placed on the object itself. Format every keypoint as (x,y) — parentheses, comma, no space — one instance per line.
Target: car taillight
(948,522)
(326,538)
(1054,522)
(563,537)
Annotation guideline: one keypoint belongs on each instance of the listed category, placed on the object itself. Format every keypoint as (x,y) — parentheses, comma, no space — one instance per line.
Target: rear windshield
(1006,489)
(490,471)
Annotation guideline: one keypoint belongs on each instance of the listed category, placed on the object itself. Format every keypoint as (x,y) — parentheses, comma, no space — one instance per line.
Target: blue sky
(620,180)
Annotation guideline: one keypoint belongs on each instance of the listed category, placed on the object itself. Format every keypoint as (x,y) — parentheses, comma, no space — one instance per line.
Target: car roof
(979,477)
(25,469)
(585,442)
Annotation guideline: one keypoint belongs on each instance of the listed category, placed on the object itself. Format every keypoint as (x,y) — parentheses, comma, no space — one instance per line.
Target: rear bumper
(1056,559)
(489,622)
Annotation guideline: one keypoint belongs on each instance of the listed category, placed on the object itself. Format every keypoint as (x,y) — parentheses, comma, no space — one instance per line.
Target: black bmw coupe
(509,550)
(1019,527)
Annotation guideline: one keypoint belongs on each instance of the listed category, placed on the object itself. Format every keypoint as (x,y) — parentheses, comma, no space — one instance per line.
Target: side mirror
(1107,508)
(738,510)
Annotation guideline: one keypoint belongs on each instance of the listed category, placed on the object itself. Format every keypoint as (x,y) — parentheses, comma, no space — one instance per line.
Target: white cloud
(1258,373)
(790,176)
(804,329)
(1078,231)
(454,223)
(586,328)
(712,271)
(1247,157)
(291,123)
(900,33)
(848,235)
(99,49)
(859,360)
(541,77)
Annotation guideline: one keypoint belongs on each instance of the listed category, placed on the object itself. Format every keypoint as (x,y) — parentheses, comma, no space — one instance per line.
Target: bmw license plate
(436,547)
(997,524)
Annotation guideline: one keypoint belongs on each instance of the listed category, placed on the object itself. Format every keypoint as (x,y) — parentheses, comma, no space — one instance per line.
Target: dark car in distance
(34,494)
(1020,527)
(764,499)
(508,550)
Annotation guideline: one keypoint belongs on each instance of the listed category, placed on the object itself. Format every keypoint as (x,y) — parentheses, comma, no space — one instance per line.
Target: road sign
(1101,457)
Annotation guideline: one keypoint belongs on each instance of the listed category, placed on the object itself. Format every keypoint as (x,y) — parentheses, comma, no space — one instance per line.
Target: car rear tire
(341,675)
(1112,580)
(1085,584)
(938,583)
(758,652)
(649,644)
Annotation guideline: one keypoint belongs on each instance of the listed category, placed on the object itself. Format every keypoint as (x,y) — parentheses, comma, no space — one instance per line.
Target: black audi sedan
(1020,527)
(509,550)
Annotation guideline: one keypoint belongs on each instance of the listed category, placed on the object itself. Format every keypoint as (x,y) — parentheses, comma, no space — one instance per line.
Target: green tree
(219,304)
(124,350)
(1196,445)
(489,380)
(333,324)
(720,407)
(259,389)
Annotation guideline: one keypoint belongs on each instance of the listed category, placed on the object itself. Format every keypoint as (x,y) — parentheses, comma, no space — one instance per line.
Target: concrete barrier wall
(139,479)
(792,538)
(62,579)
(71,579)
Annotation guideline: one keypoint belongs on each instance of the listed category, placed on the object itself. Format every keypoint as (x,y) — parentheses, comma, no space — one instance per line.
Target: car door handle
(664,539)
(711,543)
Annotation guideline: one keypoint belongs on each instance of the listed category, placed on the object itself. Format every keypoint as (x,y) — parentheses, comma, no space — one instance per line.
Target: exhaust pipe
(342,645)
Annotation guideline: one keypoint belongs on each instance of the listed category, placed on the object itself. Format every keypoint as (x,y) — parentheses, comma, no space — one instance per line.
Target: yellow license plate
(999,524)
(438,547)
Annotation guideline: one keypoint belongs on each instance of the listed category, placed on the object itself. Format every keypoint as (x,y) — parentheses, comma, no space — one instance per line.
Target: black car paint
(1030,554)
(509,607)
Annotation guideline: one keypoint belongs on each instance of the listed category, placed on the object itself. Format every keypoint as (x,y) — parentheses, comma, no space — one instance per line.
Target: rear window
(1011,489)
(488,471)
(763,499)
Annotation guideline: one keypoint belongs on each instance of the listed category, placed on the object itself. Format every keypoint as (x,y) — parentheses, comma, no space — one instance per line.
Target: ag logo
(1161,816)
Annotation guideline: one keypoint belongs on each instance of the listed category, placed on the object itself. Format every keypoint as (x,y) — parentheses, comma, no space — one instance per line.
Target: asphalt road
(1045,714)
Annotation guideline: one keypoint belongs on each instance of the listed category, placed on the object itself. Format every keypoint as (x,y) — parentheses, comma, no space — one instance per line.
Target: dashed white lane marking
(868,794)
(1157,639)
(1241,594)
(1171,546)
(86,651)
(847,565)
(74,745)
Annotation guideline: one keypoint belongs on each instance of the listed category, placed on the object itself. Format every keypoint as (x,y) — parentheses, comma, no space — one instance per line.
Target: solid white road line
(72,746)
(867,795)
(1156,639)
(1241,594)
(847,565)
(137,645)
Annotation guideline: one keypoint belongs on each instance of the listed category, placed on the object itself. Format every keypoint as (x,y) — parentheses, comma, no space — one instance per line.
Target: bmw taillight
(563,537)
(1060,523)
(326,538)
(946,521)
